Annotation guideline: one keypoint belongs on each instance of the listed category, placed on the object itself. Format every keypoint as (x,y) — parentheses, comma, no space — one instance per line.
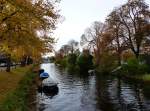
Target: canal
(92,93)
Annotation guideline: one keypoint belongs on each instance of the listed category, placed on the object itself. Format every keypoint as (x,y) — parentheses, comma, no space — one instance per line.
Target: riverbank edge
(32,100)
(143,78)
(18,100)
(138,78)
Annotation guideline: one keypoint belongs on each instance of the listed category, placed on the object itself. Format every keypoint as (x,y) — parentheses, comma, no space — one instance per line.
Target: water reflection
(93,93)
(120,96)
(49,91)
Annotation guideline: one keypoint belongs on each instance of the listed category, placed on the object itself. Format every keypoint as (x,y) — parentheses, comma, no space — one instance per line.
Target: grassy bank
(14,89)
(142,78)
(146,77)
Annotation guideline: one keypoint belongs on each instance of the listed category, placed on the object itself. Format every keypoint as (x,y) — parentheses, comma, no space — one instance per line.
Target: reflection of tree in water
(123,105)
(130,98)
(83,78)
(103,100)
(42,107)
(146,90)
(140,97)
(117,95)
(46,93)
(87,92)
(141,100)
(49,91)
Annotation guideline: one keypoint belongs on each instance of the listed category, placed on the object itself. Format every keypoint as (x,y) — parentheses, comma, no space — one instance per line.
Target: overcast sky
(79,14)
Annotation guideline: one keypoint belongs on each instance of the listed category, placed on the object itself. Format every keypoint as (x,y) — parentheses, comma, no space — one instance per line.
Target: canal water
(92,93)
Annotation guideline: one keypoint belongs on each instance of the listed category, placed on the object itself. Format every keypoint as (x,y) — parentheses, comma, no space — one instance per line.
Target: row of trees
(70,57)
(26,28)
(126,28)
(69,50)
(71,47)
(124,34)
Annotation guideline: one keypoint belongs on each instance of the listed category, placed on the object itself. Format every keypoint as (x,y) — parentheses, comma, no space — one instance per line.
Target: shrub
(145,58)
(62,62)
(85,62)
(107,63)
(135,67)
(72,59)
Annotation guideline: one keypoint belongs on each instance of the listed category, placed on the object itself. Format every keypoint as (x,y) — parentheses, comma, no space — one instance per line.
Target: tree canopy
(26,27)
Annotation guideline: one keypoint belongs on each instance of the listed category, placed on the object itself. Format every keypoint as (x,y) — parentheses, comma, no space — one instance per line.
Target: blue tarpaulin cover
(44,74)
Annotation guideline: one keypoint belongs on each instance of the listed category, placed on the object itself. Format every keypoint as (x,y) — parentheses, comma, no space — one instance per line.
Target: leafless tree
(74,45)
(134,16)
(116,31)
(65,49)
(92,39)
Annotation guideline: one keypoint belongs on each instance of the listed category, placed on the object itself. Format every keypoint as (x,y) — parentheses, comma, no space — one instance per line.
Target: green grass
(16,100)
(9,80)
(142,78)
(146,77)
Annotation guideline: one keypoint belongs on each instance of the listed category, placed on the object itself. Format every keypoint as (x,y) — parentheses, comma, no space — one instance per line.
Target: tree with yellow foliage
(26,27)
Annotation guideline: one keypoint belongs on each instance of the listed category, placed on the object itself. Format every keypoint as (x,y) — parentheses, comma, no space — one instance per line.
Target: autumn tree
(26,27)
(116,33)
(134,16)
(92,39)
(85,61)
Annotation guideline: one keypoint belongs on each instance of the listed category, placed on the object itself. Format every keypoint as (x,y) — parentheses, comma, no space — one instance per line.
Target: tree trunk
(118,47)
(119,59)
(8,62)
(137,55)
(26,60)
(136,52)
(97,57)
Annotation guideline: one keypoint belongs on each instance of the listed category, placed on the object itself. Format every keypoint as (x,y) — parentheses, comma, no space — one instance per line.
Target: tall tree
(65,48)
(92,38)
(115,29)
(27,24)
(134,16)
(74,46)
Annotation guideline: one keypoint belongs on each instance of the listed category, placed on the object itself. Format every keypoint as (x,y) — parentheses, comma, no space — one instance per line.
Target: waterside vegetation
(119,46)
(15,89)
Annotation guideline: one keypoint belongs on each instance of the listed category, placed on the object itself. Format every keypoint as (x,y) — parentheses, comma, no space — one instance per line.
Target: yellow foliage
(21,20)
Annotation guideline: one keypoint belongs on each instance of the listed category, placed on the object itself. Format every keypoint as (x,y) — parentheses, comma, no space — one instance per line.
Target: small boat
(41,71)
(48,90)
(49,87)
(47,84)
(44,75)
(91,71)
